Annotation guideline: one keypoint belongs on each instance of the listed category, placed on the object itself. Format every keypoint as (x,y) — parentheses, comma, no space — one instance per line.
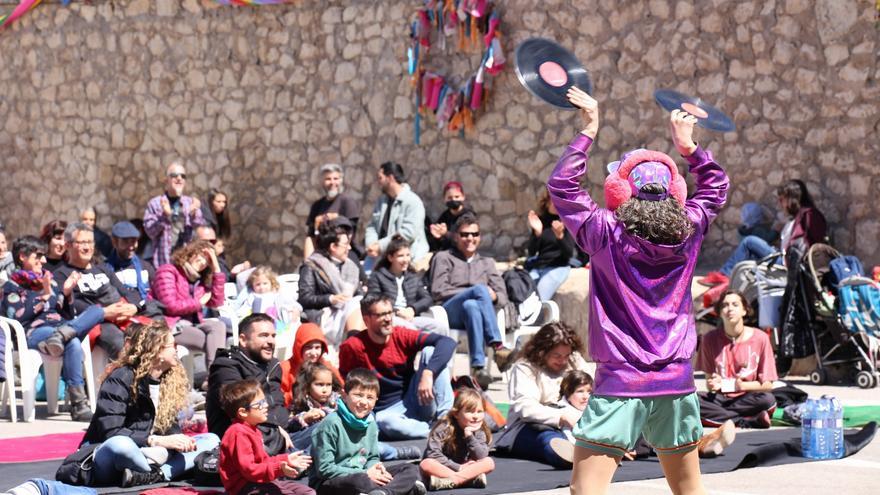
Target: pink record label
(553,74)
(694,110)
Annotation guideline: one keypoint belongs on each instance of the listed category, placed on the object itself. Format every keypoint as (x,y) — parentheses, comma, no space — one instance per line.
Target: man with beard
(334,204)
(170,218)
(134,273)
(398,211)
(254,359)
(410,399)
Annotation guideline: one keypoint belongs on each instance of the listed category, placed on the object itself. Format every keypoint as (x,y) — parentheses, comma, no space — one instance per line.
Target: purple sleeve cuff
(697,157)
(581,142)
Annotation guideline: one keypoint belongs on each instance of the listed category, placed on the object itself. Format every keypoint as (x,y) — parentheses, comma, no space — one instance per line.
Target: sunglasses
(176,175)
(469,234)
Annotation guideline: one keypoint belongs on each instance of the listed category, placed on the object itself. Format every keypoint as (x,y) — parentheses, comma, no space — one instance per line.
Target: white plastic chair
(7,388)
(30,361)
(549,313)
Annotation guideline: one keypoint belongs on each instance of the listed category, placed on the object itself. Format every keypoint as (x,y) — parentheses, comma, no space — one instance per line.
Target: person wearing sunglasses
(170,218)
(469,287)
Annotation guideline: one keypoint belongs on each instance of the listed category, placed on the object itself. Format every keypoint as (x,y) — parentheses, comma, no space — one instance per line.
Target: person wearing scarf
(134,273)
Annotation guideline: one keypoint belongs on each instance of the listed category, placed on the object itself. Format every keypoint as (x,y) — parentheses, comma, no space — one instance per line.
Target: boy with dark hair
(245,468)
(346,447)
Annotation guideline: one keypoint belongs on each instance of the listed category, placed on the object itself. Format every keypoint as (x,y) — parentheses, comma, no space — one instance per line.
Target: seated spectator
(215,212)
(170,219)
(93,284)
(468,286)
(187,286)
(136,420)
(245,467)
(334,204)
(754,221)
(330,285)
(309,346)
(133,273)
(440,231)
(740,369)
(89,216)
(394,279)
(253,358)
(551,248)
(31,298)
(345,447)
(409,399)
(805,227)
(398,211)
(7,263)
(535,423)
(52,234)
(574,393)
(206,233)
(263,295)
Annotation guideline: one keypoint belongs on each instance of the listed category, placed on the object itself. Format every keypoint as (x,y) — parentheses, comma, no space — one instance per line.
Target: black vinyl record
(708,117)
(547,70)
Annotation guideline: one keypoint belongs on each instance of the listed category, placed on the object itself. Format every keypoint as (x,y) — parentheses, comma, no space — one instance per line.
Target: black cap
(125,230)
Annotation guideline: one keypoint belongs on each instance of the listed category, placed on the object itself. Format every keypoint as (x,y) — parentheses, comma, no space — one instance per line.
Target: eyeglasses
(84,243)
(175,175)
(386,314)
(469,234)
(260,404)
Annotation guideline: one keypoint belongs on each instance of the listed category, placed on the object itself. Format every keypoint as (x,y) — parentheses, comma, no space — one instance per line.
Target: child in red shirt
(245,468)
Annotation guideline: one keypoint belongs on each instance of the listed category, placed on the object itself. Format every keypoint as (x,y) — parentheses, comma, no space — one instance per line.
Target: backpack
(76,469)
(207,472)
(523,293)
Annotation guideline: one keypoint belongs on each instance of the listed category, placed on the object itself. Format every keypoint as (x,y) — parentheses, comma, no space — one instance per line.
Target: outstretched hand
(681,126)
(589,110)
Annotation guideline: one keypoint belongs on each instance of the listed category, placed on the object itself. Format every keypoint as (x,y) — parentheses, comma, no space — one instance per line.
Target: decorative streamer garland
(254,2)
(477,23)
(21,9)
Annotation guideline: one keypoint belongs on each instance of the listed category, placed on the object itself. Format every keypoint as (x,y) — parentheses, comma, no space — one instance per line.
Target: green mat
(853,416)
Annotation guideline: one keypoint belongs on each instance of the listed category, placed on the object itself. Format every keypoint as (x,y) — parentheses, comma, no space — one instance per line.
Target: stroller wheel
(819,376)
(864,379)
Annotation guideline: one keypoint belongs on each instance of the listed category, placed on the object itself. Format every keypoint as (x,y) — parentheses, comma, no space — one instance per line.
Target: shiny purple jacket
(641,326)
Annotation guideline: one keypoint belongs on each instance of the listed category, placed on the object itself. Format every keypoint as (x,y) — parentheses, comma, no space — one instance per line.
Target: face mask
(454,204)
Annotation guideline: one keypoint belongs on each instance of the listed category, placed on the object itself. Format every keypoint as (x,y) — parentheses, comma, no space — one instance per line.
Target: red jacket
(172,289)
(307,332)
(243,459)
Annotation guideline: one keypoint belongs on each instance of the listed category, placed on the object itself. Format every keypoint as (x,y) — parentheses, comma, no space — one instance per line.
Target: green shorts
(612,425)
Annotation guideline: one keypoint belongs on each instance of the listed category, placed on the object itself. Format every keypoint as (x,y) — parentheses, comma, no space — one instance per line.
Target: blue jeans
(72,364)
(407,418)
(549,279)
(119,453)
(472,309)
(751,247)
(534,445)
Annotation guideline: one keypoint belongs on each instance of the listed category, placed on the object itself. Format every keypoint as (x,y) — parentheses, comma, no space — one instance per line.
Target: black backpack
(207,472)
(76,469)
(519,285)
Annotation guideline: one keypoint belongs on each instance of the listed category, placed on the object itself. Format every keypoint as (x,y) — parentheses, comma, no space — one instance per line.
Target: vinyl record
(547,70)
(708,117)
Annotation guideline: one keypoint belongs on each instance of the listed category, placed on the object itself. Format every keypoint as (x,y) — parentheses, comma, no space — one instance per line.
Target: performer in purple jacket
(643,249)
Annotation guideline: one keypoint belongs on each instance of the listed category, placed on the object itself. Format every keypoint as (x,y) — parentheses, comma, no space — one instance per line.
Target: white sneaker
(563,448)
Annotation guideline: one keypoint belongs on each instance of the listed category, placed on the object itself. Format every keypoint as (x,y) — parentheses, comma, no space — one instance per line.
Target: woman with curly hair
(535,422)
(136,420)
(192,282)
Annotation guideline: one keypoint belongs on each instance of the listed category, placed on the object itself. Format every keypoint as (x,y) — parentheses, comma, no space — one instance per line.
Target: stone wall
(98,97)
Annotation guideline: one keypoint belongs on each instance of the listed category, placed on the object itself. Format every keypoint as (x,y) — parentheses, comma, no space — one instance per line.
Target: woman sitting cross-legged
(136,421)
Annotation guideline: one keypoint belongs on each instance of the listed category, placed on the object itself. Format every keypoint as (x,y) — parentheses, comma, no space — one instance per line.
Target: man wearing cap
(170,218)
(438,233)
(335,203)
(134,273)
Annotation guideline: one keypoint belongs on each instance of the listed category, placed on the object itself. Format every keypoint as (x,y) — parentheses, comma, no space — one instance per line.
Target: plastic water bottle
(807,429)
(822,429)
(835,440)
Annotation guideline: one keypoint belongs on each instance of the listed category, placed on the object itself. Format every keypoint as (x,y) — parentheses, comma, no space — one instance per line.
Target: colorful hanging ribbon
(254,2)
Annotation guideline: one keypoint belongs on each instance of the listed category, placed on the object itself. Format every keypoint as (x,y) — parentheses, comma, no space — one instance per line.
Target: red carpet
(40,448)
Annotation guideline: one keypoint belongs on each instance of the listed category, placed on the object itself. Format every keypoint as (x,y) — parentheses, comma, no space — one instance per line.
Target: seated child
(574,392)
(315,395)
(309,346)
(263,296)
(346,447)
(245,468)
(458,446)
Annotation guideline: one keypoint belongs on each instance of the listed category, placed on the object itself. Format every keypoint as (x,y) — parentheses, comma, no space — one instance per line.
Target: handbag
(207,472)
(76,469)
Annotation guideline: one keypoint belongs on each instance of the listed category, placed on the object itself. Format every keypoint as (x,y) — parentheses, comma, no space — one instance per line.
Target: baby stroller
(812,322)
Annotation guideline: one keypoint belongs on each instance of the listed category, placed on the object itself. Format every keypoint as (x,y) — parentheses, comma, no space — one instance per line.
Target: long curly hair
(468,400)
(142,344)
(549,336)
(182,255)
(659,222)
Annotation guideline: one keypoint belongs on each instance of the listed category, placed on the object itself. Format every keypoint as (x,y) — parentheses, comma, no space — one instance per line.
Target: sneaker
(136,478)
(563,448)
(479,482)
(714,443)
(503,358)
(760,421)
(409,452)
(482,377)
(437,483)
(418,488)
(713,278)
